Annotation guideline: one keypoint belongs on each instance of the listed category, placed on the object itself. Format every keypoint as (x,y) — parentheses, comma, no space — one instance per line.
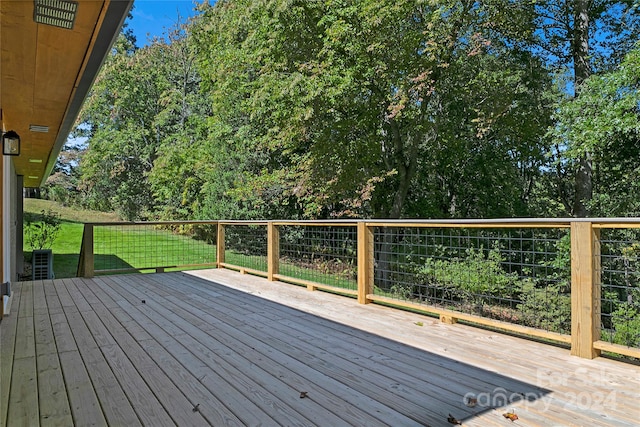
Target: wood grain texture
(7,351)
(218,348)
(585,289)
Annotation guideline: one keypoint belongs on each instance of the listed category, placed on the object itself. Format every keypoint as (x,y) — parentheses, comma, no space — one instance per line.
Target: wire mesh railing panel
(246,246)
(517,275)
(620,289)
(150,246)
(321,254)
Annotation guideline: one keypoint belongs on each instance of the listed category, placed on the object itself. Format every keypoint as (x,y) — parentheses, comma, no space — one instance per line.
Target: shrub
(473,277)
(41,232)
(547,307)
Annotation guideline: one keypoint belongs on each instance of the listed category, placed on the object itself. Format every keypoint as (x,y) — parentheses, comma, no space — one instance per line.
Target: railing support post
(87,255)
(365,262)
(220,246)
(273,250)
(585,289)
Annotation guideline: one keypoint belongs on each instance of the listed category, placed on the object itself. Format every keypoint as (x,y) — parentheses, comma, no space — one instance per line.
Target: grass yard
(66,247)
(117,247)
(148,246)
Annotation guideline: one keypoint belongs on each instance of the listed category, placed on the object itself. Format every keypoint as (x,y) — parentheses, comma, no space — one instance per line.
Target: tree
(62,184)
(142,115)
(353,99)
(605,122)
(176,176)
(584,36)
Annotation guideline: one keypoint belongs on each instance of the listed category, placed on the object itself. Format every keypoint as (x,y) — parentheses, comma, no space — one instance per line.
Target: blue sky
(155,17)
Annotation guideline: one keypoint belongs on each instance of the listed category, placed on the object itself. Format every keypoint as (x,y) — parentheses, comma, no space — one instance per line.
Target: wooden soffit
(46,72)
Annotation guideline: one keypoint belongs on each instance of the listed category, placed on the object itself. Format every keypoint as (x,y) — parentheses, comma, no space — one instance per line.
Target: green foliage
(625,325)
(296,109)
(347,106)
(142,118)
(401,291)
(42,230)
(621,290)
(547,307)
(481,280)
(604,122)
(472,277)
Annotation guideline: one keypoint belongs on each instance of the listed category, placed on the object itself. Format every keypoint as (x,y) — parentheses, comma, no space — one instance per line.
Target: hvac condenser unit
(42,264)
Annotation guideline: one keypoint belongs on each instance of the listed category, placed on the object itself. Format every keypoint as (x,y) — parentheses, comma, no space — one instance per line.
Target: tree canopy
(369,108)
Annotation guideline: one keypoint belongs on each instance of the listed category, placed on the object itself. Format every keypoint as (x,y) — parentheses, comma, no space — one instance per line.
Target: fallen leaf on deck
(510,416)
(453,420)
(303,394)
(196,408)
(471,402)
(419,323)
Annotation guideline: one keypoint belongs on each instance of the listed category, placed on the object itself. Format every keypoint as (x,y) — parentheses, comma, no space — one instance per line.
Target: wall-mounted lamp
(10,144)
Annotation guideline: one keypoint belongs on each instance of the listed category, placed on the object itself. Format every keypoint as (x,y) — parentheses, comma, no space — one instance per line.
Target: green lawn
(147,246)
(66,247)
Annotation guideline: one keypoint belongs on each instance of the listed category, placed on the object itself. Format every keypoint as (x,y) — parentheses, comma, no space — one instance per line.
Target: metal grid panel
(246,246)
(514,275)
(620,290)
(149,246)
(320,254)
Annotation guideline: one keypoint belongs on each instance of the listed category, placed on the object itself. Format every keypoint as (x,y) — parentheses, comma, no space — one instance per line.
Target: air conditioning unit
(42,264)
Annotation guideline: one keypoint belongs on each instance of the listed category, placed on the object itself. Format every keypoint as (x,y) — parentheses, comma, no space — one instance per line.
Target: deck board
(7,344)
(219,348)
(54,404)
(257,389)
(299,377)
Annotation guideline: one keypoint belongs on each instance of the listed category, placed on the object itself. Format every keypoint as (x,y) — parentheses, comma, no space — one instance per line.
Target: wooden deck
(219,348)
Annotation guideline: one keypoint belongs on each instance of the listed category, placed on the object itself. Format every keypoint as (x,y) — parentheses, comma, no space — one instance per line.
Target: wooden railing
(368,260)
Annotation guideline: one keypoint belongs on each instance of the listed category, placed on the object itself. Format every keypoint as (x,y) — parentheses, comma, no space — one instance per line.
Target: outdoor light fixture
(10,144)
(59,13)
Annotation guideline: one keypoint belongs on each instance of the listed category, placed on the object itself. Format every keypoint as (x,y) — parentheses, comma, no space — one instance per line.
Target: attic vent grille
(39,128)
(59,13)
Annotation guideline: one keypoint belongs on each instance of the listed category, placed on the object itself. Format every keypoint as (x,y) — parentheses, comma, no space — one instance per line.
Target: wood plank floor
(219,348)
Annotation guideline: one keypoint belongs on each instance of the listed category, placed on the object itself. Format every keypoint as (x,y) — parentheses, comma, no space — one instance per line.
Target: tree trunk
(580,51)
(583,186)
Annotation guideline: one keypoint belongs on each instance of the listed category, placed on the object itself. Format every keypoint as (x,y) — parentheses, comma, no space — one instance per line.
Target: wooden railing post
(365,262)
(87,254)
(585,289)
(273,250)
(220,246)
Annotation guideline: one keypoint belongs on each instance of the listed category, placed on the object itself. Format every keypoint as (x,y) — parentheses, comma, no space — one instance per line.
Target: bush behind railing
(507,275)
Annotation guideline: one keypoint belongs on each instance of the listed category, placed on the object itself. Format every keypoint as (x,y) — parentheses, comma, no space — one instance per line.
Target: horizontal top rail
(320,223)
(177,222)
(471,223)
(622,223)
(497,222)
(468,224)
(244,222)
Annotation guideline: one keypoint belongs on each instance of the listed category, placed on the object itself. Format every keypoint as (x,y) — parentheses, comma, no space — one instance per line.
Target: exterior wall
(1,220)
(9,221)
(10,231)
(2,298)
(13,219)
(20,225)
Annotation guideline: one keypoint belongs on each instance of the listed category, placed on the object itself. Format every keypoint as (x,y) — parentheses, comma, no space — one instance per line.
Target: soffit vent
(39,128)
(59,13)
